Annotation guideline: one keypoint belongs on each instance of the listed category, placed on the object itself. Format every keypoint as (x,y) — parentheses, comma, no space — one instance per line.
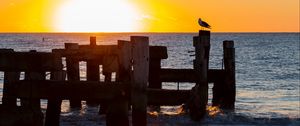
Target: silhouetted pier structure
(132,80)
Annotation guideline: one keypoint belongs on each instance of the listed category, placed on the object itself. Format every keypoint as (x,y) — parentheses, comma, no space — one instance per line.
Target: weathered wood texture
(73,70)
(54,104)
(199,94)
(229,64)
(118,107)
(42,64)
(140,54)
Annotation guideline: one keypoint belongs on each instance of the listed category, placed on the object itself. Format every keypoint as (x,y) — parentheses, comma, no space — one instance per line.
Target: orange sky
(148,15)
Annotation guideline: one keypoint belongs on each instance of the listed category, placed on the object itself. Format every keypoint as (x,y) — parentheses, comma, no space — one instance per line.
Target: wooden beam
(48,89)
(167,97)
(27,61)
(188,75)
(158,52)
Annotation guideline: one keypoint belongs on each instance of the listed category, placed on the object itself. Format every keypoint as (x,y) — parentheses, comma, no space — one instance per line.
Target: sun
(96,16)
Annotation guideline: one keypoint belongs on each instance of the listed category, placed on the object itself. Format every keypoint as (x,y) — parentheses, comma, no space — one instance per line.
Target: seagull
(203,23)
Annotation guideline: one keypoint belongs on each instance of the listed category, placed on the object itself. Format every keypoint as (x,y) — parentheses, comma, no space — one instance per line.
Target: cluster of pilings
(121,78)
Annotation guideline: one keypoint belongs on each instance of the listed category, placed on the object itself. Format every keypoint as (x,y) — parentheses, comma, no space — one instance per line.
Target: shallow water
(267,72)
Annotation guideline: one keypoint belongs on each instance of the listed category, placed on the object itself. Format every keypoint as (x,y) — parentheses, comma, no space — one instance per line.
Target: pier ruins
(132,81)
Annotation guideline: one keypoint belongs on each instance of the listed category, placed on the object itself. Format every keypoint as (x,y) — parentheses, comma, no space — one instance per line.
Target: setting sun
(96,16)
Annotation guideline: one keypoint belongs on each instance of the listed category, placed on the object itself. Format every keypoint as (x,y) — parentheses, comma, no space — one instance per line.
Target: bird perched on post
(203,24)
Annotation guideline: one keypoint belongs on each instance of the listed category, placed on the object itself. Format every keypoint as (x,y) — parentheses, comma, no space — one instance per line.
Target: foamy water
(267,75)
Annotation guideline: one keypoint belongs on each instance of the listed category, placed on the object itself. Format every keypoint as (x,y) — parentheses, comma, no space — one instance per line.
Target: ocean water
(267,74)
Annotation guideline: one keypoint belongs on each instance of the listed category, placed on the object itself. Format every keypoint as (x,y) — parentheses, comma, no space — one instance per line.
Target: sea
(267,75)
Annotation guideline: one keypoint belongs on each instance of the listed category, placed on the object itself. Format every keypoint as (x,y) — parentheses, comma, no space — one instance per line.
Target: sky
(148,15)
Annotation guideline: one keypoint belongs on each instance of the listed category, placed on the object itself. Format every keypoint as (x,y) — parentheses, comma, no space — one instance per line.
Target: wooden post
(54,104)
(117,114)
(229,64)
(93,73)
(199,94)
(218,90)
(92,67)
(73,71)
(10,77)
(140,54)
(156,54)
(35,104)
(154,68)
(93,41)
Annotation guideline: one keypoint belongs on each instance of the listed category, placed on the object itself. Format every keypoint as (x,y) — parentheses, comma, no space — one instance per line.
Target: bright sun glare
(96,16)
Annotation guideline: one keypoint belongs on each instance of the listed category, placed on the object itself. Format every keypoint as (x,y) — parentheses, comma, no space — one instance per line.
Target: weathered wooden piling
(34,104)
(218,89)
(73,70)
(140,74)
(92,68)
(229,78)
(54,104)
(199,96)
(117,113)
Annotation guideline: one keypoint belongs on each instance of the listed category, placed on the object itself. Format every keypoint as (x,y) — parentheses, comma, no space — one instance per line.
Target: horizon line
(151,32)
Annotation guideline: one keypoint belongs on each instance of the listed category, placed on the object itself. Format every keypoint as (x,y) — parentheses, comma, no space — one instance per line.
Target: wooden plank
(188,75)
(44,89)
(18,61)
(73,70)
(140,79)
(167,97)
(86,52)
(158,52)
(229,65)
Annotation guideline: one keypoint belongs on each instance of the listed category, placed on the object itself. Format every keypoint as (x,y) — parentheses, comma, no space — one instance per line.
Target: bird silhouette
(203,24)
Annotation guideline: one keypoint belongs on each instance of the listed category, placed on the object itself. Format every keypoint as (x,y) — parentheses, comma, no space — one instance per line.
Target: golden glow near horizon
(96,15)
(148,15)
